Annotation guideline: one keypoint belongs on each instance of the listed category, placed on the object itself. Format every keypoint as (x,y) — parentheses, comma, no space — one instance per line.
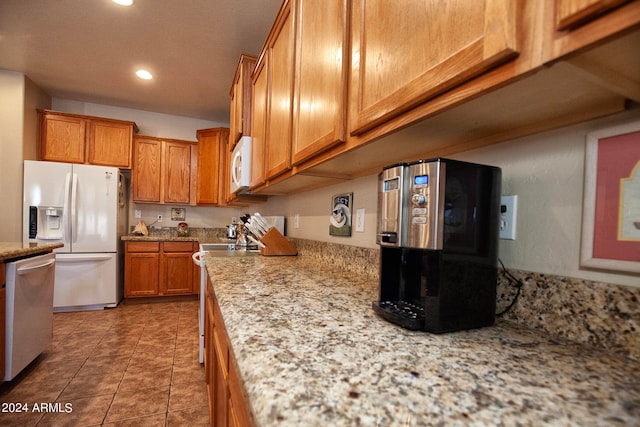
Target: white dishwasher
(29,322)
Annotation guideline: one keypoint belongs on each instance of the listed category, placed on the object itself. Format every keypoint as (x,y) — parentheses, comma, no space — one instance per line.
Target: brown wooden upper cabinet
(321,67)
(299,87)
(576,24)
(240,121)
(403,56)
(164,170)
(212,156)
(280,48)
(75,138)
(259,98)
(572,13)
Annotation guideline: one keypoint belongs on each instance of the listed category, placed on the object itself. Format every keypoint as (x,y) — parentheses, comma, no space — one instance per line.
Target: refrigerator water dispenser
(47,224)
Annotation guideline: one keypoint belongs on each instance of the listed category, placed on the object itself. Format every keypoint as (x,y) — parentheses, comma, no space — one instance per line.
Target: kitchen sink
(217,247)
(226,249)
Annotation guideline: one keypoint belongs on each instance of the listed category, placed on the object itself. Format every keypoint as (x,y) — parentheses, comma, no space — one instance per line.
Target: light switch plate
(360,220)
(508,214)
(138,213)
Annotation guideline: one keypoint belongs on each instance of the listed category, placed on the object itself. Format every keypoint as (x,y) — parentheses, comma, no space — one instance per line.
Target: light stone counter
(311,352)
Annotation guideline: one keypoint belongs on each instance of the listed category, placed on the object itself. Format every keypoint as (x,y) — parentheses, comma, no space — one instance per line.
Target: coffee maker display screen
(391,184)
(421,180)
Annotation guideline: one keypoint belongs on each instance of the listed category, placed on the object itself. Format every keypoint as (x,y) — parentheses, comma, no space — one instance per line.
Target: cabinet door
(226,196)
(235,121)
(319,109)
(177,172)
(177,273)
(240,123)
(279,116)
(220,389)
(146,170)
(570,13)
(238,412)
(62,138)
(211,143)
(403,56)
(109,144)
(259,122)
(209,348)
(141,274)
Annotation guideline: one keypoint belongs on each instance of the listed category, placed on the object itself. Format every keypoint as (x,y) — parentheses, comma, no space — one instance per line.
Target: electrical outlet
(296,221)
(138,213)
(360,220)
(159,218)
(508,214)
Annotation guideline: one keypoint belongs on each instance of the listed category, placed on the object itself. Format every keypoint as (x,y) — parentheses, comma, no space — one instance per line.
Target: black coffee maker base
(405,314)
(413,317)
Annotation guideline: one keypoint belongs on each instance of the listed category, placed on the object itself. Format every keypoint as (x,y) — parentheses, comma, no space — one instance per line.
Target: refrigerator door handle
(65,208)
(74,208)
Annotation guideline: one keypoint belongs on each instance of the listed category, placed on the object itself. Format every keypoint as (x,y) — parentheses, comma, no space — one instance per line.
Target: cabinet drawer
(143,246)
(177,246)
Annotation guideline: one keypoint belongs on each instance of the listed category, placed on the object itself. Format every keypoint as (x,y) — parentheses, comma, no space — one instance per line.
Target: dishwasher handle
(29,269)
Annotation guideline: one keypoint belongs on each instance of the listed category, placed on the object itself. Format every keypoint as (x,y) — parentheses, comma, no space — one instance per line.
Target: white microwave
(241,166)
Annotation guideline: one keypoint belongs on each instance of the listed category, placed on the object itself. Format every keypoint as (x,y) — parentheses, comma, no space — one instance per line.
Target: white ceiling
(88,50)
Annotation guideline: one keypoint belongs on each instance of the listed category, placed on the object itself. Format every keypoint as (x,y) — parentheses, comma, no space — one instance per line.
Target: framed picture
(178,214)
(611,205)
(340,218)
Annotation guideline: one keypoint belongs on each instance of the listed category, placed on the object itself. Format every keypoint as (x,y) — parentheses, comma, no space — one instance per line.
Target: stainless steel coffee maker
(438,225)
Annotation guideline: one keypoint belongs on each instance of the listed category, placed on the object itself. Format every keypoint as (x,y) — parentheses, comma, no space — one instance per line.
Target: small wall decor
(340,218)
(611,205)
(178,214)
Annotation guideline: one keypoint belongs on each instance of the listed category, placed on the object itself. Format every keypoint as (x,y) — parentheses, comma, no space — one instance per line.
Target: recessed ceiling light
(123,2)
(144,74)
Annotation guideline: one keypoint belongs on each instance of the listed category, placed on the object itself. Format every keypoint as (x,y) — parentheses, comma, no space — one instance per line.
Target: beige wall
(314,207)
(19,98)
(545,171)
(547,174)
(35,98)
(11,136)
(150,124)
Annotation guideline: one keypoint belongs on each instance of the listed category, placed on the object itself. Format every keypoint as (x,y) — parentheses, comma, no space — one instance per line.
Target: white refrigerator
(84,207)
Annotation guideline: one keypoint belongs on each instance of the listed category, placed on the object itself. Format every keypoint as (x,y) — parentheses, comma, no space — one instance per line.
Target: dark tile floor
(134,365)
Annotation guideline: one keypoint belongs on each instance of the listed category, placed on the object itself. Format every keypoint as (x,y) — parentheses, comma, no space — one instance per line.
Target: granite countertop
(169,234)
(311,351)
(10,250)
(159,238)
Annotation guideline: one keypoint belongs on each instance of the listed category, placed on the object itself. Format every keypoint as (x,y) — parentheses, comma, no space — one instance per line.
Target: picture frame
(178,214)
(611,201)
(341,213)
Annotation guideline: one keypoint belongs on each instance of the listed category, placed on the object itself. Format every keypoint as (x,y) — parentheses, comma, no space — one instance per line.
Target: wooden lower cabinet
(177,268)
(160,268)
(141,269)
(227,404)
